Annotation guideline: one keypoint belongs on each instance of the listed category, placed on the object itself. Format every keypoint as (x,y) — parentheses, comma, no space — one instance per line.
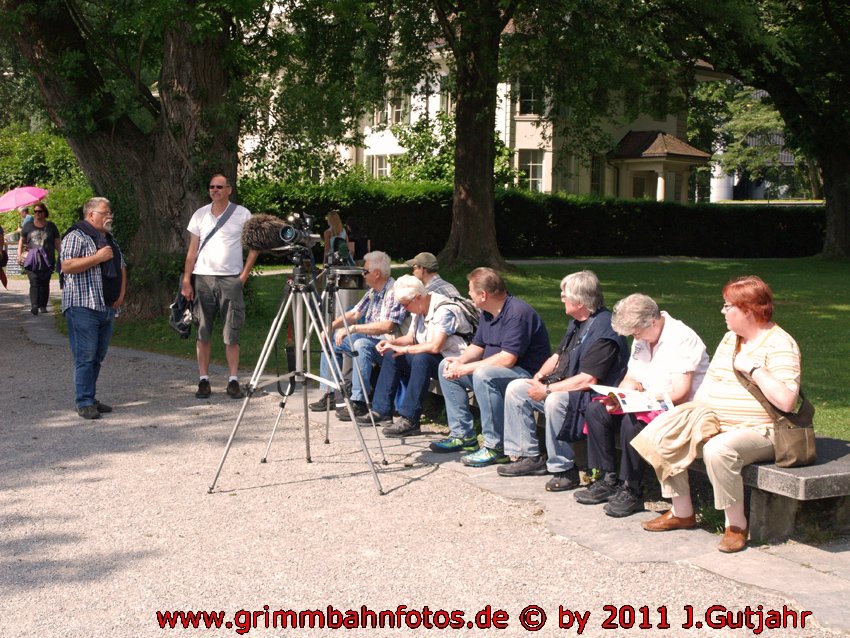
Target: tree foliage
(149,94)
(748,136)
(429,154)
(799,53)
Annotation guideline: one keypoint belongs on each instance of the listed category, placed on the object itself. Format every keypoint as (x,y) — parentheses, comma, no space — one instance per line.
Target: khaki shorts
(219,295)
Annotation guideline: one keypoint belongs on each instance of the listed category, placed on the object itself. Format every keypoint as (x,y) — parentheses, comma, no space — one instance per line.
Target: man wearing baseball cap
(425,270)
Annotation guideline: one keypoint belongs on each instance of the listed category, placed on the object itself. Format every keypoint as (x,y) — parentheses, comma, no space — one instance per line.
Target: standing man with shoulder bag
(219,279)
(95,284)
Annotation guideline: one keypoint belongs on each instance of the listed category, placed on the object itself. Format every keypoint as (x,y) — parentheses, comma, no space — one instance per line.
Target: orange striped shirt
(733,404)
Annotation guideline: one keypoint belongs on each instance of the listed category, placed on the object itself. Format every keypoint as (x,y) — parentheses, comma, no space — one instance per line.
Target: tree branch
(148,101)
(508,13)
(443,10)
(835,25)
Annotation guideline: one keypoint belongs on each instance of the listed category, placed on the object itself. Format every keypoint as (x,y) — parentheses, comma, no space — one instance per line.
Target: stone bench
(778,496)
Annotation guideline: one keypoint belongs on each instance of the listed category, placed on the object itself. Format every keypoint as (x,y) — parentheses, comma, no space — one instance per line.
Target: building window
(531,169)
(379,117)
(447,97)
(597,175)
(529,98)
(396,110)
(379,166)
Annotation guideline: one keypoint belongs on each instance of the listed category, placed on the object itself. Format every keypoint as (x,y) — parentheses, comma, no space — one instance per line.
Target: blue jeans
(521,430)
(489,384)
(89,332)
(367,355)
(418,370)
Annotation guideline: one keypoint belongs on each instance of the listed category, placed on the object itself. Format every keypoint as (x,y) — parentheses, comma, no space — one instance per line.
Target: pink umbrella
(23,196)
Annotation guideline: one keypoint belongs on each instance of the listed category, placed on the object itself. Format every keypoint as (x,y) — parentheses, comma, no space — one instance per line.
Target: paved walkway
(104,522)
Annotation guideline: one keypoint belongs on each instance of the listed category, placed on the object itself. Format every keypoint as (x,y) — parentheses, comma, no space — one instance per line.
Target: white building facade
(650,160)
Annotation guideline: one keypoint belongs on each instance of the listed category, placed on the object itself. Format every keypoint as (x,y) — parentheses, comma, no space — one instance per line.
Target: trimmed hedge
(406,218)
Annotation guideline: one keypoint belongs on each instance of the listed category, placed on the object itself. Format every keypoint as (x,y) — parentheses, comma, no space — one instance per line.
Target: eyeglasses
(104,213)
(727,306)
(217,187)
(366,272)
(405,304)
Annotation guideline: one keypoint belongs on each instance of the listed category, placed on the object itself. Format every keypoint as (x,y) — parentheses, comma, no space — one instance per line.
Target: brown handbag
(793,432)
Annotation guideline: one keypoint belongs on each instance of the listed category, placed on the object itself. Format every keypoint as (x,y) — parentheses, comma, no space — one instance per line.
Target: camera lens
(288,234)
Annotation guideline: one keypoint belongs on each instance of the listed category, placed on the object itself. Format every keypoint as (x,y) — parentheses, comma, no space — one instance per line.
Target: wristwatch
(548,390)
(754,368)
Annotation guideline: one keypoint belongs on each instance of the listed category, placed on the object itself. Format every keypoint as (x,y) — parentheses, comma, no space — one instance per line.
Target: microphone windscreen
(262,232)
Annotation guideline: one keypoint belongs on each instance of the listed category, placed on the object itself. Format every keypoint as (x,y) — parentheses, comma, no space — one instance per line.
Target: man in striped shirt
(95,283)
(382,317)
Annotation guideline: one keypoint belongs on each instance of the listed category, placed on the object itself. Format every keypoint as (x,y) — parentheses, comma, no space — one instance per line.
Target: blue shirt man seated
(435,332)
(382,315)
(590,353)
(510,343)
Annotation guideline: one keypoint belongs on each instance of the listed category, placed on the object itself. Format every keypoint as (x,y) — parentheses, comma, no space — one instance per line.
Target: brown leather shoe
(667,522)
(734,540)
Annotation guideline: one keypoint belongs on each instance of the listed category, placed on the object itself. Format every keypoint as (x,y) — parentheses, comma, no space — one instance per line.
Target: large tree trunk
(155,178)
(836,186)
(472,240)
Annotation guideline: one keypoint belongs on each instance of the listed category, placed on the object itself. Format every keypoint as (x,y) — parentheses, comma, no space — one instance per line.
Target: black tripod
(301,299)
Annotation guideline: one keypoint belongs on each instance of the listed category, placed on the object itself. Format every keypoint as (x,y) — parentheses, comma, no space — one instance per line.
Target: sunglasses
(217,187)
(38,210)
(366,272)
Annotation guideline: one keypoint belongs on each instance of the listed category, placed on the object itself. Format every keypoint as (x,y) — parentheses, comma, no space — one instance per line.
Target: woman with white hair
(668,359)
(435,332)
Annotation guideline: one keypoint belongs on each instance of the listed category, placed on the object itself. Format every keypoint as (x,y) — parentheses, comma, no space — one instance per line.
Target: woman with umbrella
(37,247)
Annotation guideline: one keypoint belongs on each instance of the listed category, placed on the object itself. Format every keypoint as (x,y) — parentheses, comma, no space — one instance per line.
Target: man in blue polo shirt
(511,343)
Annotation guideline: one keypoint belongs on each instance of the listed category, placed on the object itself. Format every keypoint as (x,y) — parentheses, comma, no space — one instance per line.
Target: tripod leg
(365,394)
(314,311)
(230,440)
(274,429)
(299,367)
(255,377)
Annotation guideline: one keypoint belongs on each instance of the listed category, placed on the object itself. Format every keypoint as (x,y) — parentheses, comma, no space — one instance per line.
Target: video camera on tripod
(292,237)
(308,313)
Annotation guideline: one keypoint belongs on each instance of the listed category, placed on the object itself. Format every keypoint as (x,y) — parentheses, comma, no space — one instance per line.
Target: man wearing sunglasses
(213,279)
(382,317)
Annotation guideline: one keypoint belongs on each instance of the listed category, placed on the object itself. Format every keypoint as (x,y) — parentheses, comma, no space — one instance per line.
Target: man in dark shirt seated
(510,343)
(590,353)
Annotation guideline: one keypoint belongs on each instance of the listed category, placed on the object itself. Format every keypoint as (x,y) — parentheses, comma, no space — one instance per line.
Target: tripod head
(302,275)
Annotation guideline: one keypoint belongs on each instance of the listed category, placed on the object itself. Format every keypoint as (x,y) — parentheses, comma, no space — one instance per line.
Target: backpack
(469,312)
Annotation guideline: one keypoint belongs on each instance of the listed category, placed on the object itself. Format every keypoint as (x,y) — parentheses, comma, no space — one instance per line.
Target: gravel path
(103,523)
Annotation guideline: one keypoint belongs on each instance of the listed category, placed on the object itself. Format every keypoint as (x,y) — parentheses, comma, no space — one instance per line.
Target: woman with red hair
(734,429)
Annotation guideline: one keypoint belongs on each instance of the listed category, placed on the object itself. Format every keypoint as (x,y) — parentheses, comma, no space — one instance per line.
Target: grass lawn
(812,299)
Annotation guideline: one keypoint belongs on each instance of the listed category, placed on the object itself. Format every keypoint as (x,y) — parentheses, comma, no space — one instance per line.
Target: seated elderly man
(434,333)
(511,342)
(669,360)
(382,315)
(425,270)
(590,353)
